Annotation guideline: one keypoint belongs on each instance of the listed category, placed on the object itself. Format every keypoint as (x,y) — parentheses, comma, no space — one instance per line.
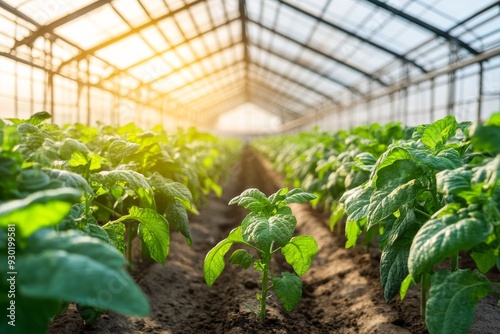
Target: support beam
(351,34)
(244,38)
(172,48)
(129,33)
(321,53)
(292,80)
(177,70)
(188,84)
(424,25)
(311,70)
(49,28)
(400,86)
(275,92)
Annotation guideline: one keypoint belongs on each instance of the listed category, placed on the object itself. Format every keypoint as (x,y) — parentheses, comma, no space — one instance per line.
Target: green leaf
(171,189)
(39,117)
(77,159)
(356,202)
(438,133)
(116,234)
(241,257)
(453,181)
(299,252)
(281,227)
(394,263)
(32,315)
(387,201)
(443,237)
(400,171)
(120,149)
(352,231)
(41,209)
(484,261)
(178,218)
(288,289)
(69,146)
(251,199)
(214,260)
(77,268)
(132,180)
(387,159)
(405,285)
(298,195)
(69,179)
(485,138)
(452,302)
(154,232)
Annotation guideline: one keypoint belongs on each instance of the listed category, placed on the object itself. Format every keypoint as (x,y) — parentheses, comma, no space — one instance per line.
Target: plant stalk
(129,246)
(454,262)
(423,295)
(263,297)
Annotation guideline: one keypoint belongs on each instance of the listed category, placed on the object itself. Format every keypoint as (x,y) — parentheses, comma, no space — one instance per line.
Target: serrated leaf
(116,234)
(388,200)
(132,180)
(241,257)
(251,199)
(153,231)
(299,196)
(177,216)
(288,289)
(356,202)
(452,302)
(255,227)
(214,264)
(443,237)
(438,133)
(299,252)
(281,227)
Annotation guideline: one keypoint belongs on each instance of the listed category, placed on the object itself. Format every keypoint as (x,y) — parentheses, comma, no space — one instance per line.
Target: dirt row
(341,291)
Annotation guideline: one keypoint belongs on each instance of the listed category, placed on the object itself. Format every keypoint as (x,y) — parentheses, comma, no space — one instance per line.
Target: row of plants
(72,200)
(426,194)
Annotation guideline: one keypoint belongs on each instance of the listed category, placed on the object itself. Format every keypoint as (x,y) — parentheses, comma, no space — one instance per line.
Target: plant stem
(454,262)
(129,246)
(423,295)
(263,297)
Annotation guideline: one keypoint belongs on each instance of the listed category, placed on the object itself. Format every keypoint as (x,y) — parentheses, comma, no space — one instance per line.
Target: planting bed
(341,292)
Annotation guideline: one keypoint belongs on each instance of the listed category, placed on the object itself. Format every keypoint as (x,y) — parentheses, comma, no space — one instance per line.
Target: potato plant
(269,228)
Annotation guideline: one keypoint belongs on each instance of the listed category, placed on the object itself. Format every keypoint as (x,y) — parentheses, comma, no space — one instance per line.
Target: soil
(341,291)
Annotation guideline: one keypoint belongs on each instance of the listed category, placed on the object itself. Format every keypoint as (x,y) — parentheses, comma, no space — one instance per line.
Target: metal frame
(277,92)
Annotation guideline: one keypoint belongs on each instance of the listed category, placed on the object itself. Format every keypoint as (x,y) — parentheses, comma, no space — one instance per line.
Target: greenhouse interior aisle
(250,166)
(342,292)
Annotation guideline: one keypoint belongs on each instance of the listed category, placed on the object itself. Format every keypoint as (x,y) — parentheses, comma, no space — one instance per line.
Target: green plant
(266,230)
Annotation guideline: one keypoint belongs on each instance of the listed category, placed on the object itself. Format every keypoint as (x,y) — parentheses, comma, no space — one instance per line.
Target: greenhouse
(250,166)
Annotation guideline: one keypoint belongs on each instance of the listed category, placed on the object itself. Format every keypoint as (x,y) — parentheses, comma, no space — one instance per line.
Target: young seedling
(267,229)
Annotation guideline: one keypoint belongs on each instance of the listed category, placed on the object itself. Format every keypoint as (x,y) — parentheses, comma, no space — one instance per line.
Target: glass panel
(94,28)
(126,51)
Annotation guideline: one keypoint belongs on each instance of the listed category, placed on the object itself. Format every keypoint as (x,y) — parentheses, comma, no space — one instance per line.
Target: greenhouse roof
(203,58)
